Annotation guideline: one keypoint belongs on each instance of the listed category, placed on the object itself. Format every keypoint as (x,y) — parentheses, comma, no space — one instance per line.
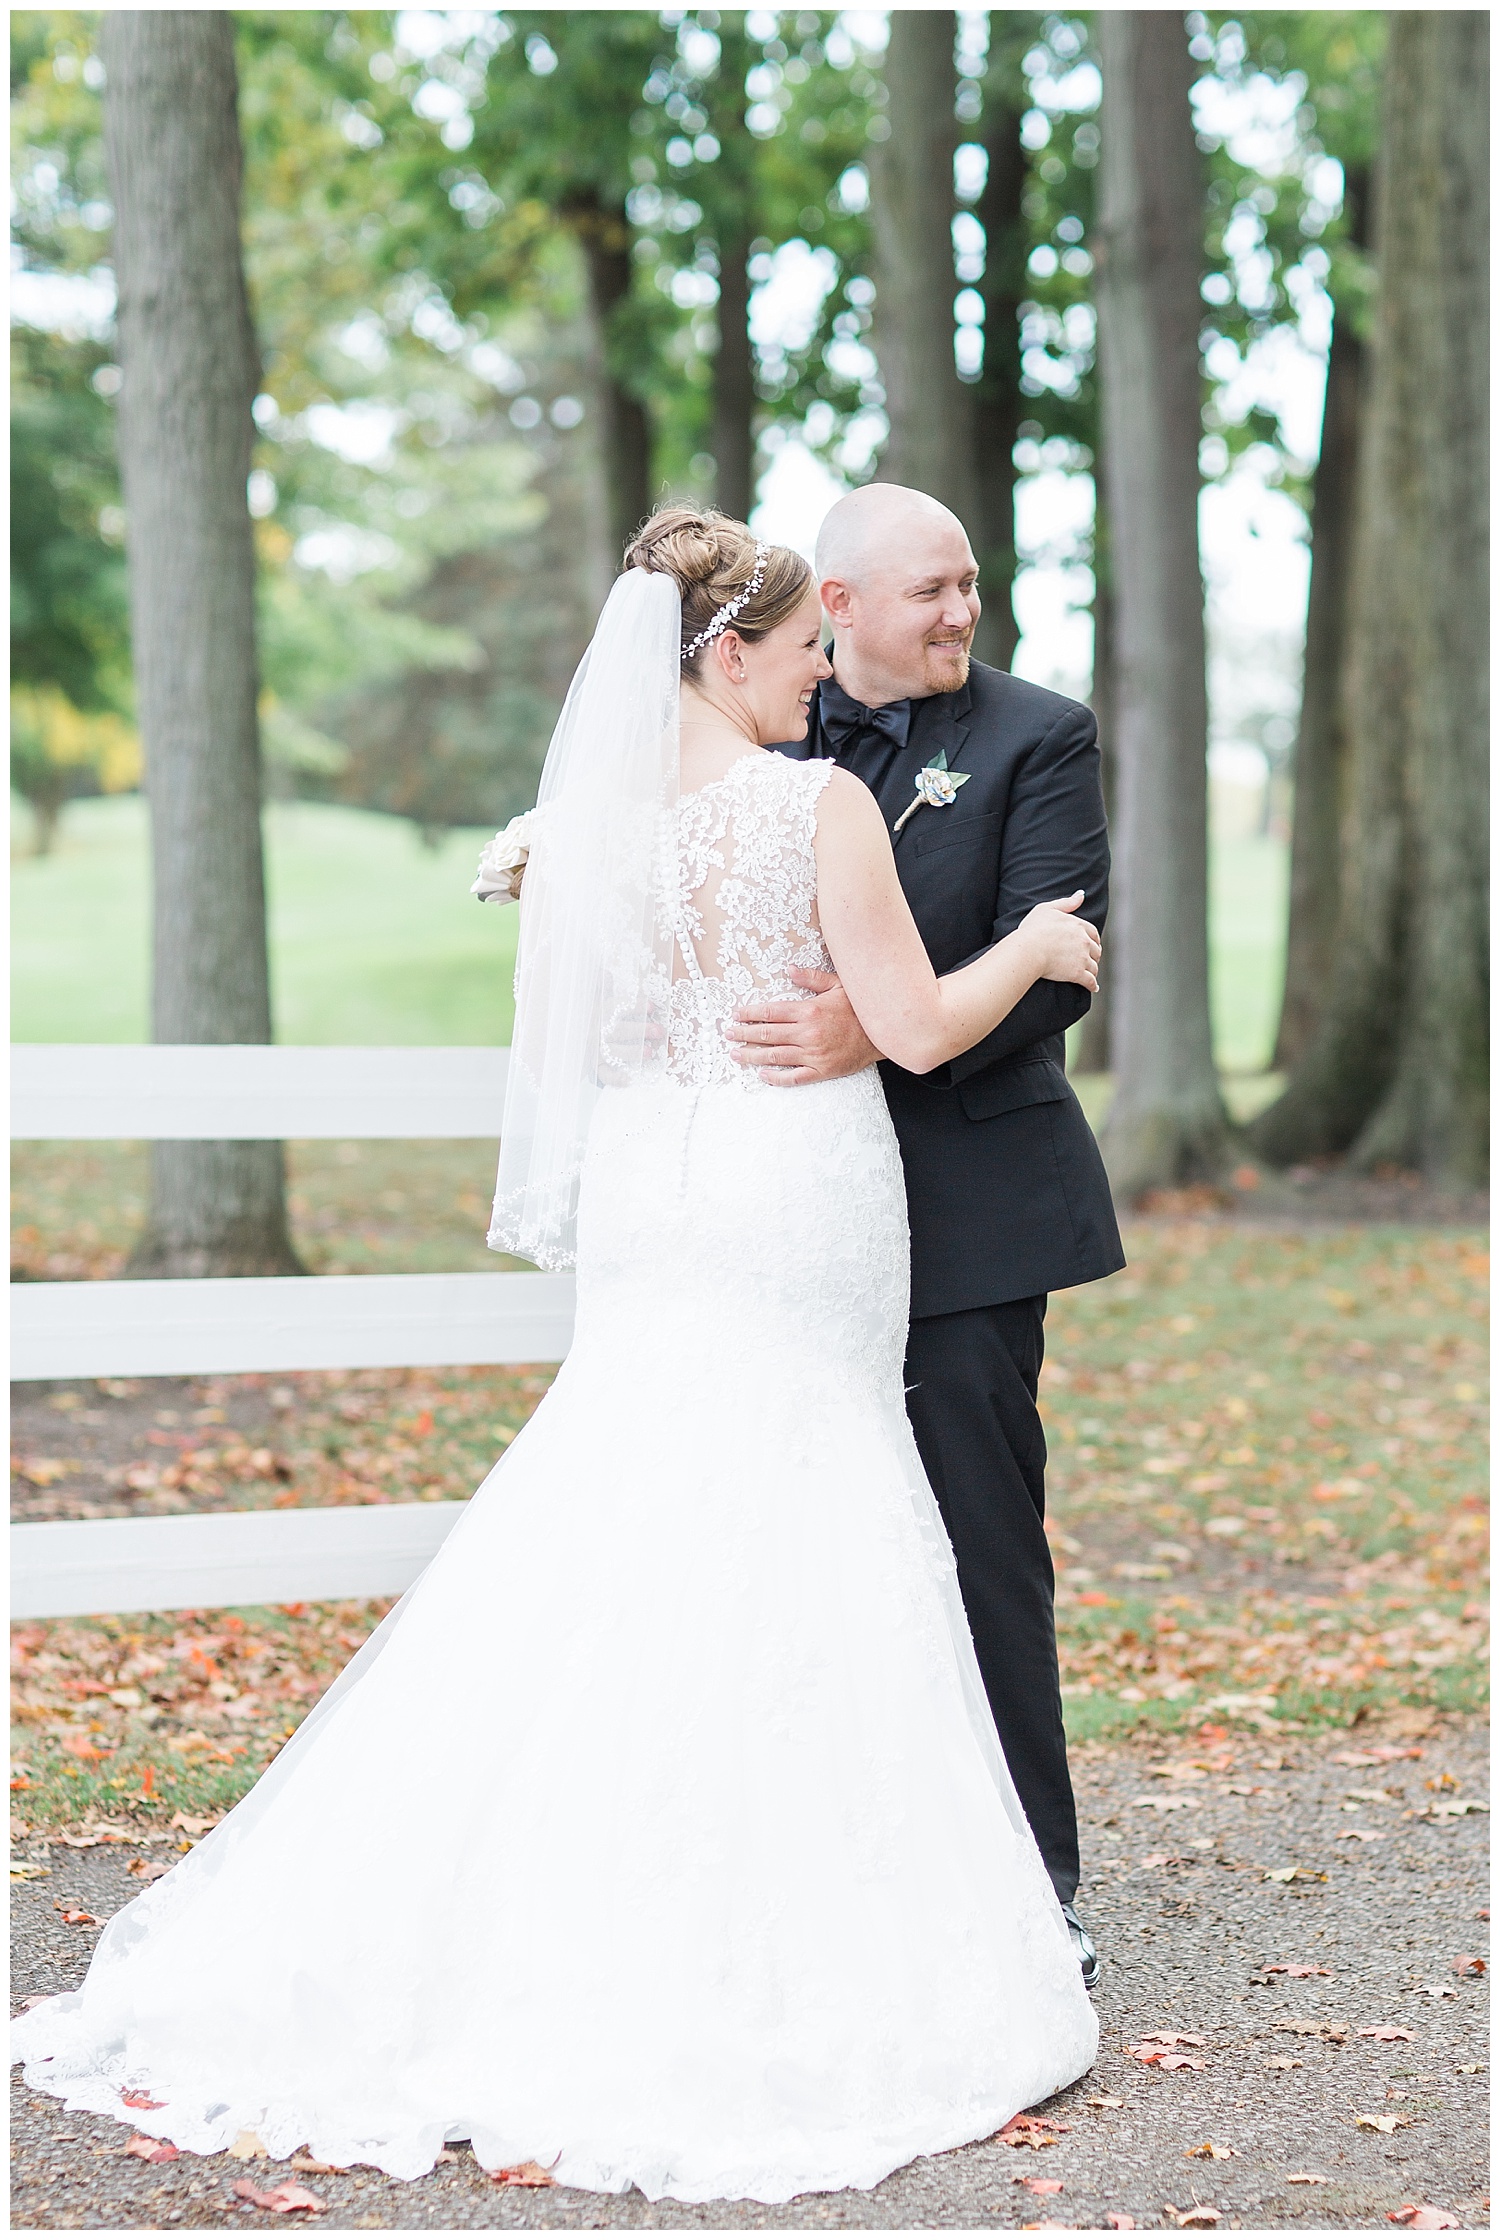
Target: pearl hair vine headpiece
(726,614)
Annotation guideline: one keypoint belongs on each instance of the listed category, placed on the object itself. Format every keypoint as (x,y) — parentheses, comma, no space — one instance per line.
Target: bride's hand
(1069,947)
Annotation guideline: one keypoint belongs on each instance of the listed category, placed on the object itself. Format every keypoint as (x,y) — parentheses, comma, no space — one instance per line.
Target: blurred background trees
(515,275)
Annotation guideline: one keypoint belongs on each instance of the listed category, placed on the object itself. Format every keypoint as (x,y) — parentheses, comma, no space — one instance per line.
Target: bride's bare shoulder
(847,810)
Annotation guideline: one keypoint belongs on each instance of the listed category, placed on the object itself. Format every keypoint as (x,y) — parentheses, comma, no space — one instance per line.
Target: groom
(991,789)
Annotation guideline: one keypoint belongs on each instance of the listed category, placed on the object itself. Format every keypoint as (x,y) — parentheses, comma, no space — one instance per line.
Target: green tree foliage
(68,618)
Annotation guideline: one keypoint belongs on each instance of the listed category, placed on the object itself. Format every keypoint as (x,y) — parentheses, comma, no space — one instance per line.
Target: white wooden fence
(112,1091)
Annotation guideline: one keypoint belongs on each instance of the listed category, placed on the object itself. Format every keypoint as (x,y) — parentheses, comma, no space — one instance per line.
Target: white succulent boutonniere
(504,861)
(937,788)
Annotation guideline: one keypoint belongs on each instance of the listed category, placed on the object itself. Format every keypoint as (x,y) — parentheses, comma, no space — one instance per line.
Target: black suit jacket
(1005,1185)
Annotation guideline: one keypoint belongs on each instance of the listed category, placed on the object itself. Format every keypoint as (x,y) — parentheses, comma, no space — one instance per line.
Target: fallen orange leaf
(1468,1964)
(1308,2178)
(141,2100)
(1422,2217)
(1211,2151)
(283,2198)
(1295,1968)
(1117,2221)
(1040,2185)
(1030,2131)
(1387,2033)
(151,2150)
(524,2174)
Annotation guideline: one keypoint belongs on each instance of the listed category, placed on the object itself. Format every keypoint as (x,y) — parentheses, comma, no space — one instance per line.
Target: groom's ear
(838,602)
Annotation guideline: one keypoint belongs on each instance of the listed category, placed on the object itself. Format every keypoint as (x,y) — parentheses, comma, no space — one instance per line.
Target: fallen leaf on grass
(1380,1754)
(1468,1964)
(1037,2185)
(247,2146)
(25,1871)
(1295,1968)
(77,1920)
(140,2100)
(1387,2032)
(198,1824)
(1030,2131)
(1211,2151)
(150,2150)
(1308,2178)
(283,2198)
(1422,2217)
(523,2174)
(1387,2124)
(149,1869)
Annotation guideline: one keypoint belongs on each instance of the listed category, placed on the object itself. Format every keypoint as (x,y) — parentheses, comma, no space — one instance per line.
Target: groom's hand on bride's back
(790,1044)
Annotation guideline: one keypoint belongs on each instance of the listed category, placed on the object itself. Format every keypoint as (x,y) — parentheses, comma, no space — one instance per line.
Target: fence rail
(234,1092)
(218,1326)
(236,1326)
(209,1562)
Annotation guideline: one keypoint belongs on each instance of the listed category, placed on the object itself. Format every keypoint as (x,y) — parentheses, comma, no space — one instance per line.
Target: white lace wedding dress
(661,1833)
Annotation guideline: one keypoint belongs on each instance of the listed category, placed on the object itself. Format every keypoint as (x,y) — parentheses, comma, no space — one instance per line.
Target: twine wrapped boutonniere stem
(937,787)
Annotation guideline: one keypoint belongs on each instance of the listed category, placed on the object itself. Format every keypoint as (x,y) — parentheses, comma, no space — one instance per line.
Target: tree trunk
(1398,1068)
(603,233)
(1093,1051)
(995,400)
(1319,772)
(188,353)
(1167,1122)
(930,410)
(734,376)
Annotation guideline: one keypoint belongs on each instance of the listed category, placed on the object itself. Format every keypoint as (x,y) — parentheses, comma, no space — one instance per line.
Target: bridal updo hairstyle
(711,559)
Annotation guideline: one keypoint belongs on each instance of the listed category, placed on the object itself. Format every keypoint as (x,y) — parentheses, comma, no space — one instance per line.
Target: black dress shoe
(1083,1945)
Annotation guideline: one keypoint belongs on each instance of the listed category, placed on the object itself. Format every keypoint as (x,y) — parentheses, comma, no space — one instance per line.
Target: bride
(660,1835)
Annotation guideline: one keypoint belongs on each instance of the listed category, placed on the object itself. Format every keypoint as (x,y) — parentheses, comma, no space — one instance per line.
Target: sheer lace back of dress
(743,910)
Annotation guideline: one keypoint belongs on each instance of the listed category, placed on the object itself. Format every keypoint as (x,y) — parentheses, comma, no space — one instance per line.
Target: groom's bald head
(897,580)
(869,531)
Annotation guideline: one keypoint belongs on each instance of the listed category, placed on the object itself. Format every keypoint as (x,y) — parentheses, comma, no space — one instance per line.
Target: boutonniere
(937,787)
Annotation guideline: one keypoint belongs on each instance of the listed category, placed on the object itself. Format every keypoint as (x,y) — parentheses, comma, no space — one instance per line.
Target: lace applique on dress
(743,910)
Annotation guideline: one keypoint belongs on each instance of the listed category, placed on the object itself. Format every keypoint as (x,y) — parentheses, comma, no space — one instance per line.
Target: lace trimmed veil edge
(593,969)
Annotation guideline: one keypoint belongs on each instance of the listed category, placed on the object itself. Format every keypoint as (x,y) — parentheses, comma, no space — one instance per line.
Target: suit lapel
(938,726)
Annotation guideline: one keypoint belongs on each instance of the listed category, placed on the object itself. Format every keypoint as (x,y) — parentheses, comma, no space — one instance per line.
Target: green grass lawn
(376,939)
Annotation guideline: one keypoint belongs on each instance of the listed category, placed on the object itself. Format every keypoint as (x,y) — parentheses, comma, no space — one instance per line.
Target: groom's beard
(946,667)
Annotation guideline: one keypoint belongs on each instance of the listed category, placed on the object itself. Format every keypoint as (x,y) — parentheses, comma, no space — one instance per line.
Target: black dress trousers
(971,1394)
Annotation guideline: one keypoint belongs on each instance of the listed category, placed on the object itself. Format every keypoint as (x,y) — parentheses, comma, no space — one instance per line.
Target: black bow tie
(847,724)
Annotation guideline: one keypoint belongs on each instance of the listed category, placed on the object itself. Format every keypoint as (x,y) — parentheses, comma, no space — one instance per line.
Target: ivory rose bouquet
(503,863)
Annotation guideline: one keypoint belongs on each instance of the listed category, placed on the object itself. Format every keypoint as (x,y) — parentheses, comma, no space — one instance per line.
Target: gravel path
(1181,1898)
